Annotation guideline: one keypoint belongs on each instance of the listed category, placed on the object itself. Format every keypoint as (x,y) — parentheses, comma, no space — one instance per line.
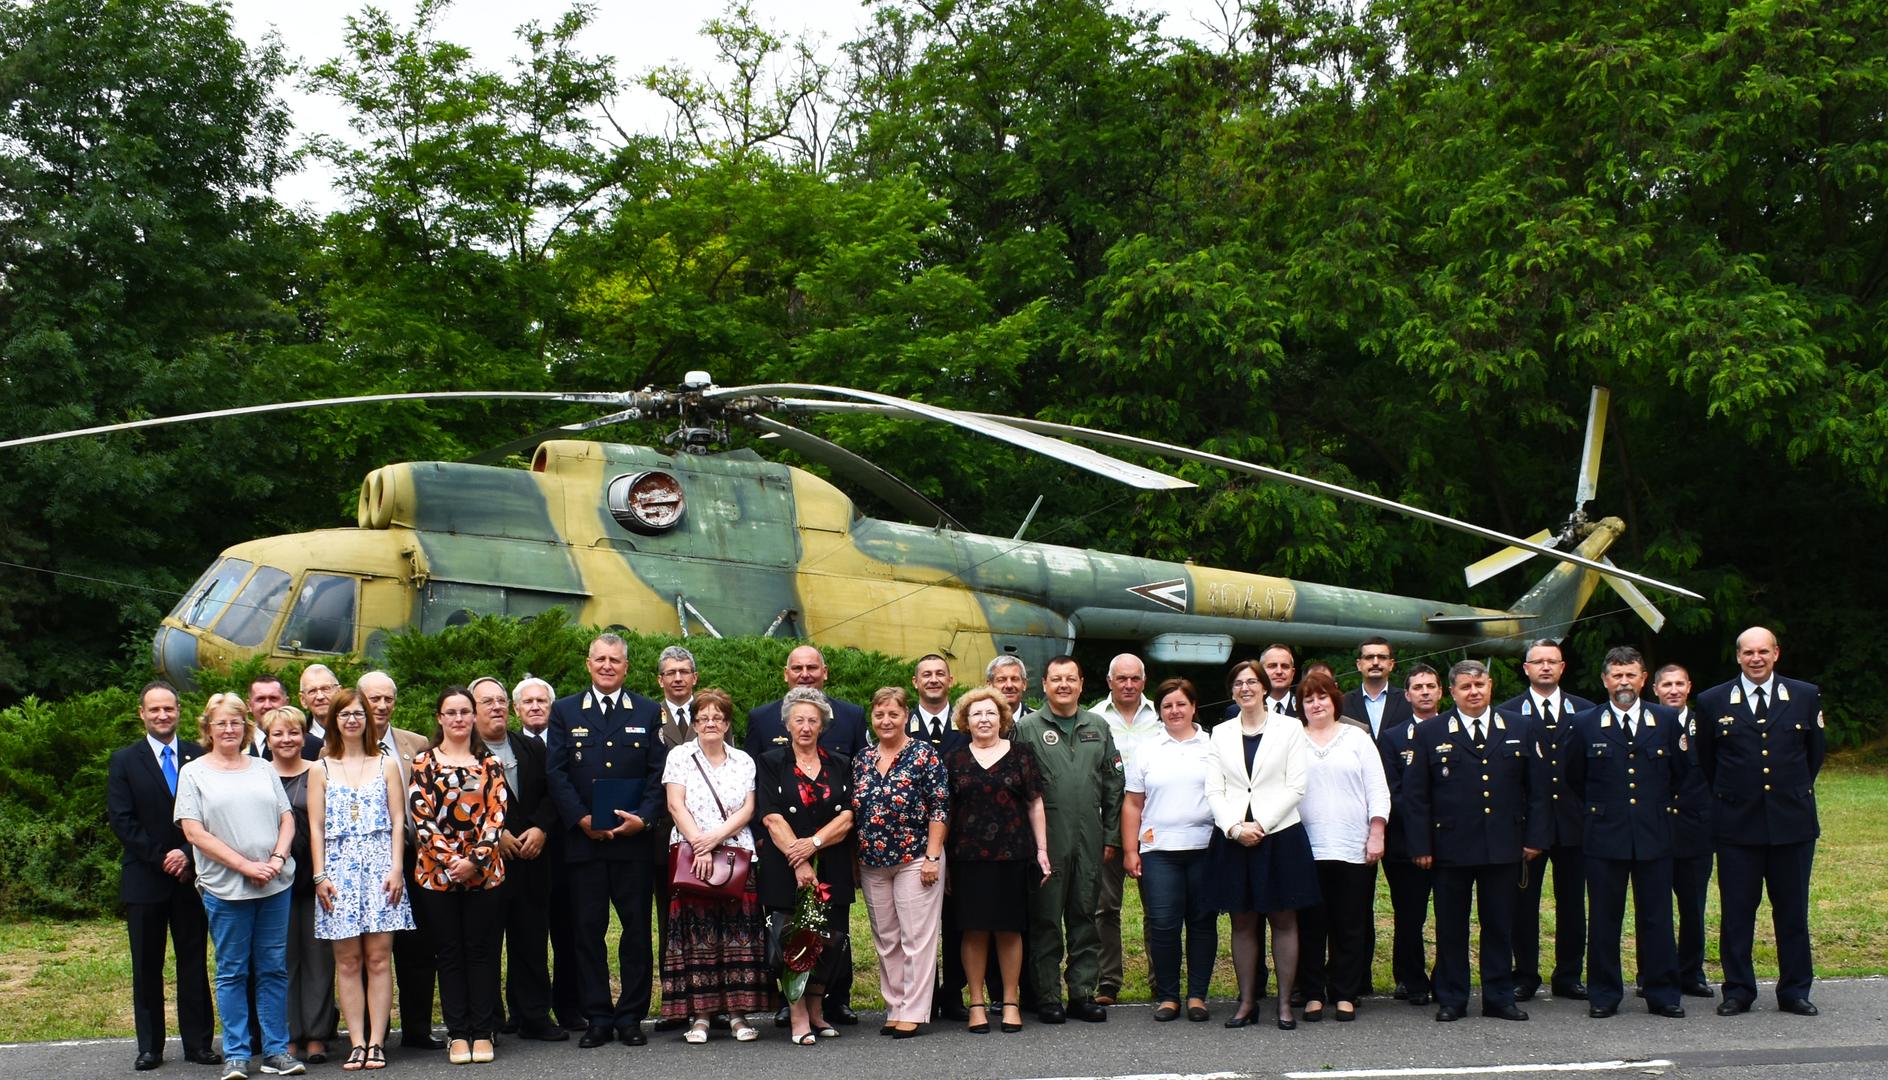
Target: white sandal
(744,1031)
(697,1032)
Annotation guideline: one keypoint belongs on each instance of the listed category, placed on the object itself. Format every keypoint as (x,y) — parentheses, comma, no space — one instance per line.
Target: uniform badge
(1607,720)
(1443,748)
(1537,749)
(1453,726)
(1682,744)
(1783,692)
(1819,720)
(635,731)
(580,733)
(1409,758)
(1500,724)
(1527,707)
(1445,772)
(1118,767)
(1726,721)
(1651,721)
(587,703)
(1051,737)
(1737,697)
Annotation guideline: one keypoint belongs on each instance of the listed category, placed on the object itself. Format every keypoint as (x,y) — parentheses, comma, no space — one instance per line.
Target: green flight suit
(1081,797)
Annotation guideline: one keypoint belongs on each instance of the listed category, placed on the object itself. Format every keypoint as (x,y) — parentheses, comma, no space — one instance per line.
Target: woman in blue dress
(356,832)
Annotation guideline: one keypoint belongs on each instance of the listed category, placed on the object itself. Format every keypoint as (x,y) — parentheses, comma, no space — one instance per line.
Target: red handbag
(727,873)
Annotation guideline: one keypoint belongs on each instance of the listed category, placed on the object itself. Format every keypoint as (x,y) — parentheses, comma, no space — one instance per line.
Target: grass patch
(70,980)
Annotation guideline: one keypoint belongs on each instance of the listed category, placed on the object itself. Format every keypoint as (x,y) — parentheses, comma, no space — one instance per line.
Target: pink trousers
(906,916)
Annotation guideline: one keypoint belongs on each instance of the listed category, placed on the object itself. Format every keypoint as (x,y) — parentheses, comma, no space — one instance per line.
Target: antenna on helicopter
(1027,518)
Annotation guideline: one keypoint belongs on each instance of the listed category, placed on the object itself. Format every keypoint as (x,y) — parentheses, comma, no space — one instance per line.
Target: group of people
(326,852)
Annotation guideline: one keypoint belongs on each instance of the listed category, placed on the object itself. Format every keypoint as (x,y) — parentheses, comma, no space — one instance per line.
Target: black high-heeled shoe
(1009,1028)
(983,1028)
(1286,1023)
(1238,1021)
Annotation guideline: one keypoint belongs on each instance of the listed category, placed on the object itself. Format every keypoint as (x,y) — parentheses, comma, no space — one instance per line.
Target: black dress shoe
(953,1010)
(781,1017)
(1448,1014)
(1052,1014)
(148,1060)
(1575,990)
(1421,997)
(1401,993)
(1601,1012)
(422,1042)
(1525,989)
(1504,1012)
(1237,1021)
(542,1032)
(1670,1012)
(1087,1011)
(671,1023)
(574,1023)
(596,1036)
(1697,989)
(841,1015)
(1286,1023)
(205,1056)
(1731,1007)
(632,1035)
(1799,1006)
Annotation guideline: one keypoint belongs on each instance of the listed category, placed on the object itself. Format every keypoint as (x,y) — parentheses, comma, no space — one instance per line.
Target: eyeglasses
(488,702)
(453,714)
(357,714)
(1379,657)
(1241,684)
(1545,662)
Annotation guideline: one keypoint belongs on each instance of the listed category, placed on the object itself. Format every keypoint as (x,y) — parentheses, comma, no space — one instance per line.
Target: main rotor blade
(1635,599)
(1338,490)
(900,495)
(1501,561)
(1589,484)
(1081,457)
(601,398)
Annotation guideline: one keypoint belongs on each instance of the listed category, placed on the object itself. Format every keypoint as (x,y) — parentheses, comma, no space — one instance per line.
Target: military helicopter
(697,538)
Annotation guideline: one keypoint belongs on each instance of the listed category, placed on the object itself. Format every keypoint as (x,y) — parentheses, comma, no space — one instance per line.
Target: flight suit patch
(1088,736)
(1050,738)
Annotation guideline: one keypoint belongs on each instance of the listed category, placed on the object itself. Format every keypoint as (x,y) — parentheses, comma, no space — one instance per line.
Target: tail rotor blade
(1502,561)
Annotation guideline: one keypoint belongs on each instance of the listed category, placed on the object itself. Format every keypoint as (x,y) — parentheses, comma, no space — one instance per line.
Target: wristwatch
(930,858)
(816,843)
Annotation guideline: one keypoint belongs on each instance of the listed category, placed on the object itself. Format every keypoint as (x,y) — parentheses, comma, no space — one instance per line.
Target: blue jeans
(1175,896)
(251,939)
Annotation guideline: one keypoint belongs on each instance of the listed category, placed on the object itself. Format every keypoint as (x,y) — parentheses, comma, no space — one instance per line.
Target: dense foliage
(58,856)
(1386,243)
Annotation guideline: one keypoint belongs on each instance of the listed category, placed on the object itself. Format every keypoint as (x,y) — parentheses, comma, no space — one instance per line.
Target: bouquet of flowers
(805,937)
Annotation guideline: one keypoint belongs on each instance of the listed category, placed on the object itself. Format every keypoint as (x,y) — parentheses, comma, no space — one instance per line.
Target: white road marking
(1159,1076)
(1484,1070)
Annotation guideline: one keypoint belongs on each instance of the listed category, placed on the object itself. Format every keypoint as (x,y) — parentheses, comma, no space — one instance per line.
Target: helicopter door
(323,617)
(455,603)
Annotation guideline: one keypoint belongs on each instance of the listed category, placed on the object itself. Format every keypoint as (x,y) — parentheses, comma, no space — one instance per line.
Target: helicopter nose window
(323,619)
(255,608)
(210,595)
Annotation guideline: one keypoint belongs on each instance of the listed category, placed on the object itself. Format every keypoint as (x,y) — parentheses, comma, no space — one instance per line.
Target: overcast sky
(638,33)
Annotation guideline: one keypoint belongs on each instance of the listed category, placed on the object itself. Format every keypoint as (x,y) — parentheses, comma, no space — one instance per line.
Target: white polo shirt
(1171,775)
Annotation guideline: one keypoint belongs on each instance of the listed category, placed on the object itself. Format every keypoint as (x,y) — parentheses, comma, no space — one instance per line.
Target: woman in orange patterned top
(457,799)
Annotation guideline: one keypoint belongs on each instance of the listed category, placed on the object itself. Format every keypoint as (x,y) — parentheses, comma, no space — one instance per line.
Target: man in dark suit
(156,882)
(531,702)
(1545,704)
(1761,745)
(677,676)
(1626,763)
(530,818)
(609,733)
(1475,791)
(1691,839)
(316,691)
(845,735)
(1376,702)
(266,692)
(1409,884)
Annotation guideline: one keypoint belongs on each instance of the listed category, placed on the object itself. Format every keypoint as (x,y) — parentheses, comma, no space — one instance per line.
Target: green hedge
(58,857)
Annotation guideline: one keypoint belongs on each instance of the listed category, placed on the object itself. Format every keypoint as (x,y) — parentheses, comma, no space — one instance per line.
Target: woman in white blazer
(1261,857)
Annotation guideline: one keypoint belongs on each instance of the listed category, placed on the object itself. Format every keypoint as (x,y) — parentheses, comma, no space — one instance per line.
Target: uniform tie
(1278,706)
(1547,711)
(603,706)
(1631,725)
(1759,707)
(170,768)
(937,729)
(1475,730)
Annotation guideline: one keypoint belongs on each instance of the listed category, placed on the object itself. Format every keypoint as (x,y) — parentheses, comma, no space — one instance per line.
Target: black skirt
(1276,874)
(992,895)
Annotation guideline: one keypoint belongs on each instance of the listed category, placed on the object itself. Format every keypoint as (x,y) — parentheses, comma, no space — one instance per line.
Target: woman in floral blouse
(999,848)
(901,802)
(457,799)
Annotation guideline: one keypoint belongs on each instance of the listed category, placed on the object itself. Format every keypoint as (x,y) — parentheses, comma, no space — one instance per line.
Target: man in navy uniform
(1548,706)
(608,733)
(1627,760)
(845,735)
(1409,884)
(1476,795)
(1760,744)
(157,883)
(1691,838)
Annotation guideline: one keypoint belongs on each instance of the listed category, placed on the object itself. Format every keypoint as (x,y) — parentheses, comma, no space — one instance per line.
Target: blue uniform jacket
(1397,745)
(1628,786)
(1691,826)
(582,749)
(1567,812)
(1762,776)
(1469,808)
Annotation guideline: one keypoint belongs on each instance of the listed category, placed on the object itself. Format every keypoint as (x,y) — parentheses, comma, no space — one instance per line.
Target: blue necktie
(170,769)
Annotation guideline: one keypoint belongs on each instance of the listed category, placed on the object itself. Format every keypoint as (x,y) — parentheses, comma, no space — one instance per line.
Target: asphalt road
(1847,1042)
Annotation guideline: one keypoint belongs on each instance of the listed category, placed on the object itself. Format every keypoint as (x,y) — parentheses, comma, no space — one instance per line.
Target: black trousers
(1493,889)
(566,982)
(1745,872)
(1410,886)
(1691,886)
(1651,880)
(467,925)
(597,886)
(1334,936)
(526,895)
(839,991)
(1569,920)
(414,969)
(180,919)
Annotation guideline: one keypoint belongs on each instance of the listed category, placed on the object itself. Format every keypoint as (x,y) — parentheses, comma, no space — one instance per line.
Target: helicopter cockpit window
(254,610)
(207,598)
(323,619)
